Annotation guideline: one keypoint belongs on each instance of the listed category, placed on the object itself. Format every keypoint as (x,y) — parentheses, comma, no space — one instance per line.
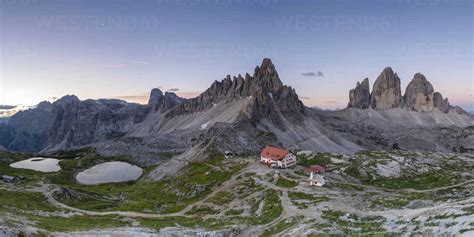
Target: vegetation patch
(247,187)
(350,223)
(202,210)
(221,198)
(175,221)
(428,180)
(25,201)
(286,183)
(389,203)
(296,198)
(85,201)
(323,158)
(234,212)
(76,223)
(281,226)
(271,208)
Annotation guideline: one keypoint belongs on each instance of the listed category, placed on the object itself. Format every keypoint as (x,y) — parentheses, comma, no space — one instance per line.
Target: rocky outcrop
(443,105)
(359,97)
(386,93)
(161,102)
(419,94)
(155,96)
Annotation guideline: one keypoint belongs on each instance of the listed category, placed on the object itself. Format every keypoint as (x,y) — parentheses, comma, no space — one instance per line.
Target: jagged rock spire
(267,77)
(440,103)
(359,97)
(419,94)
(386,92)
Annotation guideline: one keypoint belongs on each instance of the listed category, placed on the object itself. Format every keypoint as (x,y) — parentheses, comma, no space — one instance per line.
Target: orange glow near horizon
(143,98)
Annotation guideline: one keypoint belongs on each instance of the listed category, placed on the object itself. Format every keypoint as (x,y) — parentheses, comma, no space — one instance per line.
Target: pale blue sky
(119,48)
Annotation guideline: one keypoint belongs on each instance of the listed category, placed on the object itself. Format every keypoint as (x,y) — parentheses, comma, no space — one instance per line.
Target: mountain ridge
(246,106)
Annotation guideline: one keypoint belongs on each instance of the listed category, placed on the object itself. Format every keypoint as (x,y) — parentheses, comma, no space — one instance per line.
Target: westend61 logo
(99,23)
(336,23)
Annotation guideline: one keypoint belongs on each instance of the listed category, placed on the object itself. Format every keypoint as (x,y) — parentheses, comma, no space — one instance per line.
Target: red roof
(315,169)
(274,153)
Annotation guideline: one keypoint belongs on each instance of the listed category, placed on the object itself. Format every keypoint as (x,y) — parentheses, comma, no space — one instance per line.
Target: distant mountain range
(242,114)
(6,111)
(10,110)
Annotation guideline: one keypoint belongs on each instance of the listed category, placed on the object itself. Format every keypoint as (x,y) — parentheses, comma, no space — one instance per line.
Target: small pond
(109,172)
(38,164)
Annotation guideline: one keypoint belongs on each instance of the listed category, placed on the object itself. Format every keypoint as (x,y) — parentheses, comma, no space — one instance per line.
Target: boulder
(386,93)
(419,94)
(359,97)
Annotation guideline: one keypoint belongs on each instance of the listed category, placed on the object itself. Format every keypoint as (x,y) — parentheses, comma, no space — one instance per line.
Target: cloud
(139,62)
(313,74)
(173,90)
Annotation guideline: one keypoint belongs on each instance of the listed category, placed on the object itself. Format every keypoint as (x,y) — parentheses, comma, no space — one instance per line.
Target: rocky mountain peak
(419,94)
(67,99)
(171,100)
(165,101)
(267,77)
(155,96)
(269,95)
(388,71)
(359,97)
(386,92)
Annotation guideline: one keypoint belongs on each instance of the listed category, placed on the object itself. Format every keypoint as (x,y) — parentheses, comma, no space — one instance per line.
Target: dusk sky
(123,49)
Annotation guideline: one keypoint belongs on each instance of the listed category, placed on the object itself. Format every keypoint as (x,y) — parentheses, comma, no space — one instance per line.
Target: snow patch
(204,126)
